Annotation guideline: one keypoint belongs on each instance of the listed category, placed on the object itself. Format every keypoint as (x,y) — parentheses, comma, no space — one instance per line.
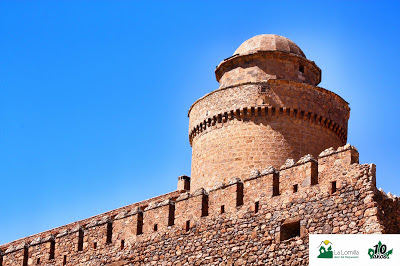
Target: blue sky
(94,94)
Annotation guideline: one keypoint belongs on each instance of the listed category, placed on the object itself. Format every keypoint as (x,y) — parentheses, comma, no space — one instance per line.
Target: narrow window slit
(295,188)
(139,226)
(122,244)
(171,215)
(314,173)
(65,260)
(204,206)
(52,249)
(80,240)
(333,187)
(275,185)
(25,261)
(187,226)
(109,232)
(239,195)
(256,206)
(222,209)
(95,245)
(155,228)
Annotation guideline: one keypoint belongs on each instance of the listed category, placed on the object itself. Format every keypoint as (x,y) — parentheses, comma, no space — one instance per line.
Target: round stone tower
(267,109)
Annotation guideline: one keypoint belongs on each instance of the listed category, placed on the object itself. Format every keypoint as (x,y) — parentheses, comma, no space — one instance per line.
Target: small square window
(290,230)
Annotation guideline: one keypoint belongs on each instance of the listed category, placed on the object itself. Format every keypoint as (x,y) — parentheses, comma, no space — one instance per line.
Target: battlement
(333,178)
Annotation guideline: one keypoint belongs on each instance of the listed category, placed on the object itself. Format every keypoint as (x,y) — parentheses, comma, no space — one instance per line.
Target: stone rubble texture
(268,148)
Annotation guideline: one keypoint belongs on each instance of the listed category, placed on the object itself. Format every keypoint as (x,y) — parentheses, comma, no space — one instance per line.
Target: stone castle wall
(253,125)
(264,219)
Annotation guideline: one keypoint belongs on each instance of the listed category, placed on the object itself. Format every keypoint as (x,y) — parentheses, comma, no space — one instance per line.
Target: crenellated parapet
(191,208)
(159,216)
(66,238)
(284,198)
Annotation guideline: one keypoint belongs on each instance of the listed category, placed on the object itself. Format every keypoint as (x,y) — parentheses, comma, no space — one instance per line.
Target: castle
(270,165)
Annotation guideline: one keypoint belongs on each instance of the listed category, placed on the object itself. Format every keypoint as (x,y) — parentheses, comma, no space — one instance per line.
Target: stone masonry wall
(252,144)
(254,125)
(267,65)
(388,208)
(265,220)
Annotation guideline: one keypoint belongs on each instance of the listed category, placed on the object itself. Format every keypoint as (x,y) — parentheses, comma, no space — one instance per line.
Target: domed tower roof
(268,42)
(265,57)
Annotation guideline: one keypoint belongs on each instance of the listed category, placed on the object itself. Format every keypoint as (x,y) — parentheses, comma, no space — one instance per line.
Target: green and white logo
(325,250)
(379,251)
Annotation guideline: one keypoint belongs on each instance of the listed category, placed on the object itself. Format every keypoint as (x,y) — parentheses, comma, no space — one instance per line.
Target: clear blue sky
(94,94)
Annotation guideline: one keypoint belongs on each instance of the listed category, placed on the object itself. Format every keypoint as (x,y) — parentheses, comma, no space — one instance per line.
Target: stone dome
(269,42)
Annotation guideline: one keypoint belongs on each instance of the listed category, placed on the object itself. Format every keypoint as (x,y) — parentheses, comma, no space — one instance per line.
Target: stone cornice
(275,81)
(236,59)
(270,111)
